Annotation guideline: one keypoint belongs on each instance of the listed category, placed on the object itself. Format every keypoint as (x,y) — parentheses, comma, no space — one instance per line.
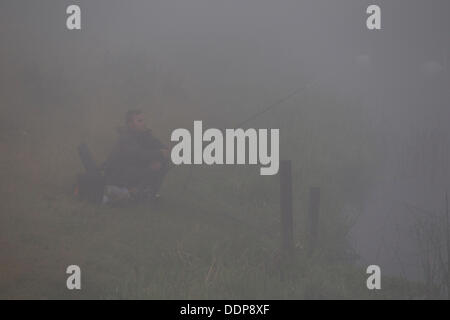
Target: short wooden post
(287,238)
(314,202)
(447,237)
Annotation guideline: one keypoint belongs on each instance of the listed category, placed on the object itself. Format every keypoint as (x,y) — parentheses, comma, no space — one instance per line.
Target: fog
(222,62)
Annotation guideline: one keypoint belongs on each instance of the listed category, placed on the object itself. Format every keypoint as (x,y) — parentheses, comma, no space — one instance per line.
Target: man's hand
(165,153)
(155,166)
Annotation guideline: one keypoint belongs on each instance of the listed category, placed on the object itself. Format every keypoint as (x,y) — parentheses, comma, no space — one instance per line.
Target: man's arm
(156,144)
(126,151)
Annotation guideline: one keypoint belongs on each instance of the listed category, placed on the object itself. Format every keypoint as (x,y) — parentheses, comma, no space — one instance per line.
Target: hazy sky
(229,50)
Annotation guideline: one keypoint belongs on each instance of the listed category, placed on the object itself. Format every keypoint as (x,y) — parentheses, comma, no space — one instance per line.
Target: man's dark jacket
(131,158)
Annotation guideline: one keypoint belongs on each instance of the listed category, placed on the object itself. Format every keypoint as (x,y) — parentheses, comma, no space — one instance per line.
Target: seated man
(138,163)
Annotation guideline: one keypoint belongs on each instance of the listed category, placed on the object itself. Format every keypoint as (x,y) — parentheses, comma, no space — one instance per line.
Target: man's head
(135,120)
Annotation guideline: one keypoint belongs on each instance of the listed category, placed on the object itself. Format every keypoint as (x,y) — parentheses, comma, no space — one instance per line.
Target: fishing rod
(259,113)
(297,91)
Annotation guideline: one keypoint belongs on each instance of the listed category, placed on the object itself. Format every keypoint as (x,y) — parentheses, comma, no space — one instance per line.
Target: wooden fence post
(287,238)
(447,238)
(314,202)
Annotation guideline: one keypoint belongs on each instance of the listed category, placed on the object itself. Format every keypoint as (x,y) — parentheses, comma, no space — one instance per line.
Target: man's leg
(160,174)
(153,177)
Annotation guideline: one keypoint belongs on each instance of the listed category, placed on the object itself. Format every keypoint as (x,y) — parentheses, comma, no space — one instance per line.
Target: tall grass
(216,232)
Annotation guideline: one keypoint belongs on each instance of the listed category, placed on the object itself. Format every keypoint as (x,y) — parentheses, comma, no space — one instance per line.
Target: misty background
(372,118)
